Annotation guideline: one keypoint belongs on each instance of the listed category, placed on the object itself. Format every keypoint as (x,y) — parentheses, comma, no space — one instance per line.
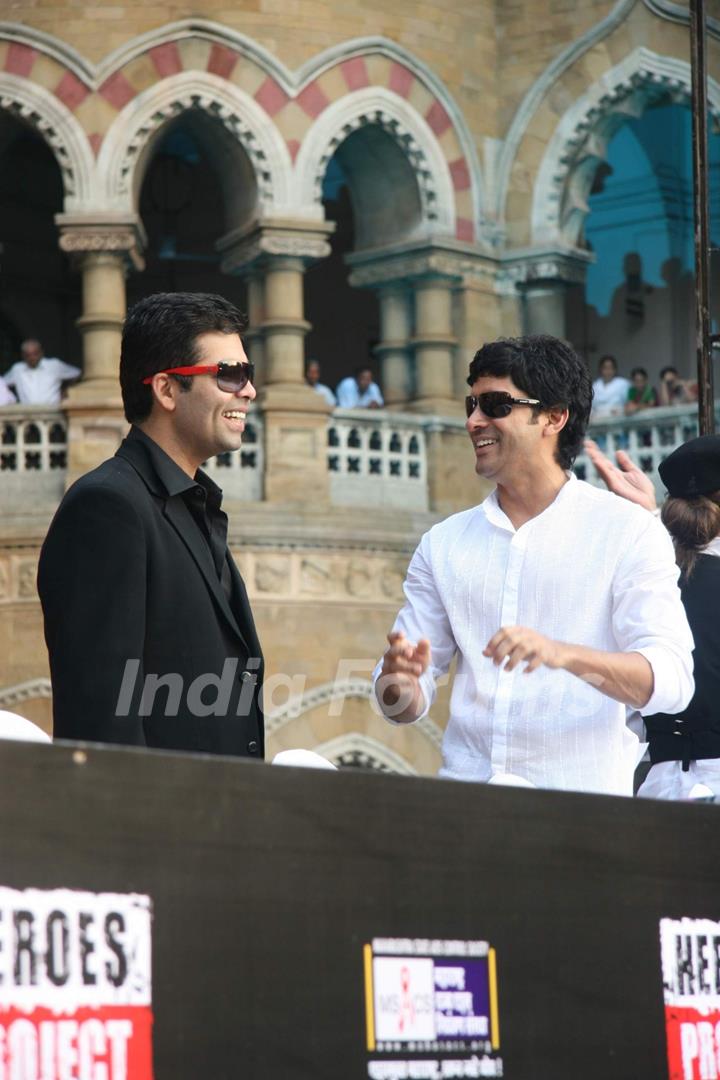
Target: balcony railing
(33,454)
(648,437)
(375,458)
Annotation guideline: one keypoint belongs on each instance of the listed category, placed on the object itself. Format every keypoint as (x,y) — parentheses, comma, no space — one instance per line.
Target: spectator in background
(312,378)
(6,395)
(641,394)
(359,391)
(674,390)
(610,390)
(37,379)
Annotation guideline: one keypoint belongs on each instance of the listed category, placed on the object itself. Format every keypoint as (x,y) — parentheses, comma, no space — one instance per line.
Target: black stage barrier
(342,925)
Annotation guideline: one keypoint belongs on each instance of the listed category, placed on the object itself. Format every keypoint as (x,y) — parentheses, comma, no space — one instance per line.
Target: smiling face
(510,446)
(204,420)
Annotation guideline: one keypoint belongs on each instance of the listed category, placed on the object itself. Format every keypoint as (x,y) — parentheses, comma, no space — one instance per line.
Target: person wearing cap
(147,621)
(685,747)
(559,602)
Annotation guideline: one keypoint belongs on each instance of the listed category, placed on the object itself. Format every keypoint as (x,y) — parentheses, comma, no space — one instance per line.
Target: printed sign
(690,950)
(431,1009)
(75,985)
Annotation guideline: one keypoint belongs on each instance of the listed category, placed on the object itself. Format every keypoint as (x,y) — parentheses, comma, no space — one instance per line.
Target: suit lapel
(182,521)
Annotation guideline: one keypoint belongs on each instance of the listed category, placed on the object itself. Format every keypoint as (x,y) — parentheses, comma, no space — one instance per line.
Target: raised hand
(624,479)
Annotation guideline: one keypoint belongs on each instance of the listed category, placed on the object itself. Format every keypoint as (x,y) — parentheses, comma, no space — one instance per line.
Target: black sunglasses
(495,403)
(231,377)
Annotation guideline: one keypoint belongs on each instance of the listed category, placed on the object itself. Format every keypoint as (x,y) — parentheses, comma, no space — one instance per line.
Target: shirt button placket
(508,617)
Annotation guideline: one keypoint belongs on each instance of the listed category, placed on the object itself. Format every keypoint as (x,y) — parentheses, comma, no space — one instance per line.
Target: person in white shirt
(312,378)
(559,600)
(610,391)
(6,395)
(37,379)
(359,391)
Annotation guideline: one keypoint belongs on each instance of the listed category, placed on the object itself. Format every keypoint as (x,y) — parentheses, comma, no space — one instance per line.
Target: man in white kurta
(559,600)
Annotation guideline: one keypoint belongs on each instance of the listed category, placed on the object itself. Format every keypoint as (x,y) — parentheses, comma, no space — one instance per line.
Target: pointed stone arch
(126,146)
(379,108)
(41,111)
(580,141)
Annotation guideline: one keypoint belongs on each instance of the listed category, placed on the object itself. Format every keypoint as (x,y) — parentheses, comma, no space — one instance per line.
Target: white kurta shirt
(592,569)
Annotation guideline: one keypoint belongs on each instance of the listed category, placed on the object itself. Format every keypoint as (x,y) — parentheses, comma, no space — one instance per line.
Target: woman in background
(685,748)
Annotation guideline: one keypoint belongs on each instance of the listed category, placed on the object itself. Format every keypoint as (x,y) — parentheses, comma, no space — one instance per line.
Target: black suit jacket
(145,647)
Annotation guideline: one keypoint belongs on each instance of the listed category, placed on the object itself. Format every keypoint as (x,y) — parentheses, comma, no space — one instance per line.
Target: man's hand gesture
(398,687)
(517,644)
(627,481)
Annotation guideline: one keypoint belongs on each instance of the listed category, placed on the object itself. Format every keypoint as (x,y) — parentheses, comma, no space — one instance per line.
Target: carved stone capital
(407,265)
(247,250)
(102,234)
(535,268)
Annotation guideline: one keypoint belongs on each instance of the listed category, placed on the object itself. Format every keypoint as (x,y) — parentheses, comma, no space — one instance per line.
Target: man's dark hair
(609,357)
(545,368)
(362,367)
(638,371)
(161,332)
(666,370)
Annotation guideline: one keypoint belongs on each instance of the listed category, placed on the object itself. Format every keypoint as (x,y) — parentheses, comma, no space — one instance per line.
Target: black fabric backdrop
(266,882)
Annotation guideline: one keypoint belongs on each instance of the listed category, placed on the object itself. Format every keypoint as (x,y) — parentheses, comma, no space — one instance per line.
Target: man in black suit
(147,621)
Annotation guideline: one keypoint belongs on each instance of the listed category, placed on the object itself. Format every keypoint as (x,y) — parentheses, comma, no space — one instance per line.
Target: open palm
(625,479)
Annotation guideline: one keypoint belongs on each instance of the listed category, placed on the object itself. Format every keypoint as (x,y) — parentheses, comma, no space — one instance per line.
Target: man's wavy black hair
(546,368)
(161,332)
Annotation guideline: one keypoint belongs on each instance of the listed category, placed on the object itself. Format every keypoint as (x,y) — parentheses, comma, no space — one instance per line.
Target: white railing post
(377,458)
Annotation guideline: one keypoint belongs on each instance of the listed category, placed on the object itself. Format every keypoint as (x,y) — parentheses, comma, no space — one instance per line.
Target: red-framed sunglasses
(230,377)
(495,403)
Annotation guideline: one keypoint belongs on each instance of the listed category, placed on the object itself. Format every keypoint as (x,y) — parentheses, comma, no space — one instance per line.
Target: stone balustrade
(375,458)
(648,437)
(33,455)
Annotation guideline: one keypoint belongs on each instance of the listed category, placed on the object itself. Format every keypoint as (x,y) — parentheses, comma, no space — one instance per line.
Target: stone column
(295,416)
(284,329)
(434,345)
(543,308)
(254,343)
(393,350)
(103,248)
(542,279)
(478,320)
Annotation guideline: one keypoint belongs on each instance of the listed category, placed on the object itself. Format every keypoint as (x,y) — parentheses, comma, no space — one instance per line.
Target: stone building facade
(465,139)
